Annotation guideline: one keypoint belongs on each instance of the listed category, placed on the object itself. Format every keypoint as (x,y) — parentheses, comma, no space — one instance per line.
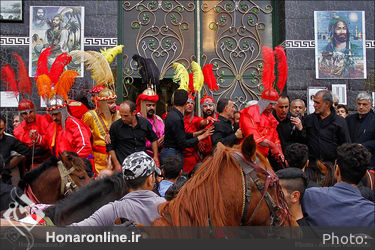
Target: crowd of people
(132,139)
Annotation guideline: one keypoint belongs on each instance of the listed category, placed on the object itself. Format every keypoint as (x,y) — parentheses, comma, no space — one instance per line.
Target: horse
(232,187)
(83,203)
(55,178)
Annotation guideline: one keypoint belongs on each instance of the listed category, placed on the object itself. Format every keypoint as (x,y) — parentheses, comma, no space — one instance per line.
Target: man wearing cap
(209,117)
(94,92)
(192,124)
(146,107)
(259,121)
(99,122)
(32,125)
(66,133)
(140,204)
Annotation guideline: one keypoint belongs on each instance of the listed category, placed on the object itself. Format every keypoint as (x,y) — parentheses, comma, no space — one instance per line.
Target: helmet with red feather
(273,83)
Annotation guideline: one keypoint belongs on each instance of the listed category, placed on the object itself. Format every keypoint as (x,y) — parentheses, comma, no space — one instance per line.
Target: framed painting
(11,11)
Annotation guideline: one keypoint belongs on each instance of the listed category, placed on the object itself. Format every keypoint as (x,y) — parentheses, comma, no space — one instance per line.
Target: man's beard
(207,113)
(340,38)
(150,113)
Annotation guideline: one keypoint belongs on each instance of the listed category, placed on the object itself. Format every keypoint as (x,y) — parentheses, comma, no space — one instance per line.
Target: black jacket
(324,136)
(224,132)
(288,133)
(363,131)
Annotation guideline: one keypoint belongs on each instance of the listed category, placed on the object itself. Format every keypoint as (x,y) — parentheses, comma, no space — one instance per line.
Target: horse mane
(33,174)
(188,208)
(86,200)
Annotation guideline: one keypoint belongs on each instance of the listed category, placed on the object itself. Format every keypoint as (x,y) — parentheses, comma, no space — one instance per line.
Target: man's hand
(107,139)
(296,121)
(277,152)
(160,141)
(34,136)
(239,134)
(206,134)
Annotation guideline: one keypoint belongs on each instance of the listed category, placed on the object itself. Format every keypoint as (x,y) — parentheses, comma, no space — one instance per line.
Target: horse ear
(248,147)
(65,160)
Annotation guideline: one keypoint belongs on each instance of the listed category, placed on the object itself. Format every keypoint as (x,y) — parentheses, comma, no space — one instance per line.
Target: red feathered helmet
(25,105)
(97,89)
(207,100)
(148,95)
(191,99)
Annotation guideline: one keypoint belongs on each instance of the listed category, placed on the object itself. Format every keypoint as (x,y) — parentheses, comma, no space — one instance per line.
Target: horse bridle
(249,175)
(67,183)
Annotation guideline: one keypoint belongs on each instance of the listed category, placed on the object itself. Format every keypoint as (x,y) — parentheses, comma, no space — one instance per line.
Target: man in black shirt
(128,135)
(175,138)
(290,128)
(9,143)
(224,131)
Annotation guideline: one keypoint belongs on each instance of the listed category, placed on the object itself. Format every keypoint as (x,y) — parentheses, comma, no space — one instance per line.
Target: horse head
(77,168)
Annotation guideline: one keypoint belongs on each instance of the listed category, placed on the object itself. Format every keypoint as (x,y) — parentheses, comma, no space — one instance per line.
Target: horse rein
(249,175)
(67,183)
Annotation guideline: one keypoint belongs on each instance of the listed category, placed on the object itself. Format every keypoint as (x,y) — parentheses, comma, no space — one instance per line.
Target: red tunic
(191,157)
(22,132)
(262,126)
(76,138)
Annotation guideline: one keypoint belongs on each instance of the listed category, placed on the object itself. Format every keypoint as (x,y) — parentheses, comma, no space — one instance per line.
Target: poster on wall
(11,11)
(340,91)
(311,91)
(340,51)
(8,99)
(61,27)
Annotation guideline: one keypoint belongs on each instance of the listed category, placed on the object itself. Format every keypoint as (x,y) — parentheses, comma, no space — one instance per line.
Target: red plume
(282,68)
(58,66)
(24,82)
(268,76)
(191,83)
(209,77)
(42,68)
(9,78)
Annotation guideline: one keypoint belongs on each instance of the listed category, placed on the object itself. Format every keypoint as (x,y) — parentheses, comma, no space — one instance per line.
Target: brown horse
(229,189)
(55,178)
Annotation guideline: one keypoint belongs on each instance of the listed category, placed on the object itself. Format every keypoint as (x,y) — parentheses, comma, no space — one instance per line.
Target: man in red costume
(258,119)
(192,123)
(32,126)
(66,133)
(209,117)
(146,107)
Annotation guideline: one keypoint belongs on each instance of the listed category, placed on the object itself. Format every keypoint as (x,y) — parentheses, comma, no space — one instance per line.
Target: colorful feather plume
(209,77)
(9,79)
(42,66)
(282,68)
(197,76)
(96,63)
(58,66)
(65,83)
(111,53)
(148,70)
(25,86)
(268,76)
(44,85)
(181,76)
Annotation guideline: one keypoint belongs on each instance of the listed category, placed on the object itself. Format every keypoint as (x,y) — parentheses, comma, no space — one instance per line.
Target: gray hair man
(362,124)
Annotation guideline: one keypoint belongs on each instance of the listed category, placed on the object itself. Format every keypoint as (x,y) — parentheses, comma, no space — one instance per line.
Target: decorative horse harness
(67,183)
(250,176)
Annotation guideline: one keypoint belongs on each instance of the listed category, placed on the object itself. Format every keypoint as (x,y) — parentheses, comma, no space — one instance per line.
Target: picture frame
(311,91)
(340,91)
(11,11)
(340,44)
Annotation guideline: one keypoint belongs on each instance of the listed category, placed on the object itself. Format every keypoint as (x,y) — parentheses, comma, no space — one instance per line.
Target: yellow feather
(198,77)
(111,53)
(181,75)
(96,63)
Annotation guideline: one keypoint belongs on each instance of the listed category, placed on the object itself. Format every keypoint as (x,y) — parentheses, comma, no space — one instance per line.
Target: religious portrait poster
(340,50)
(11,11)
(61,27)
